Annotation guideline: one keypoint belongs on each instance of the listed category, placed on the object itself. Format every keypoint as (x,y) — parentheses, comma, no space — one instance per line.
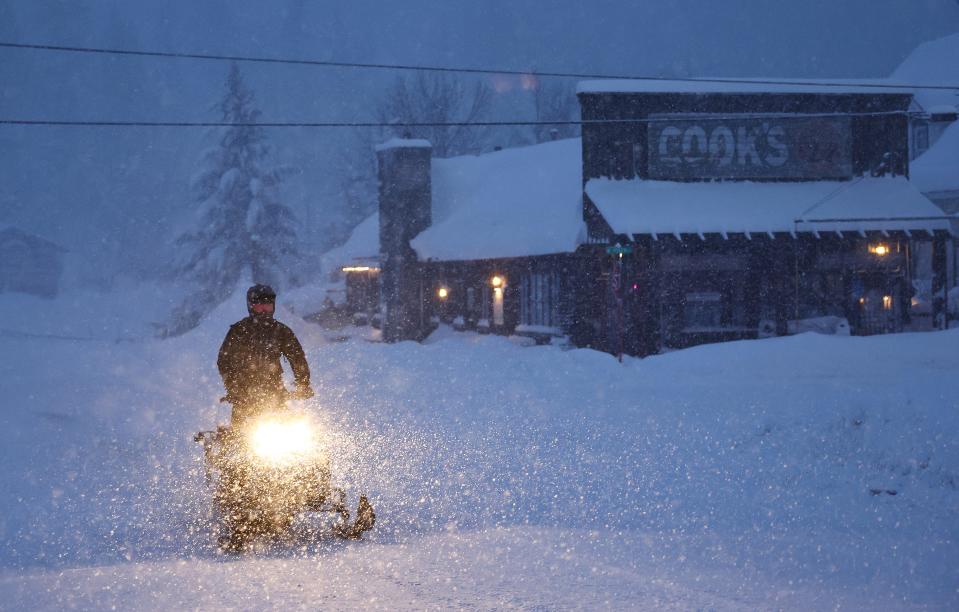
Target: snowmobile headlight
(280,441)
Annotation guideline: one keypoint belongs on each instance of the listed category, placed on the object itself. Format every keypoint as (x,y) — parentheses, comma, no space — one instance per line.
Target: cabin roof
(938,168)
(932,63)
(511,203)
(363,244)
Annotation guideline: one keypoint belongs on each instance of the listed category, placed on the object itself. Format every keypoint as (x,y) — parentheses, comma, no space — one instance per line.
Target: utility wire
(453,69)
(375,124)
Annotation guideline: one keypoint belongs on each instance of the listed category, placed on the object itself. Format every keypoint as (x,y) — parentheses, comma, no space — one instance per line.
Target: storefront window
(704,310)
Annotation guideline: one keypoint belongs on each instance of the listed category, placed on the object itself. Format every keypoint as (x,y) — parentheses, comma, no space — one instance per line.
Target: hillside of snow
(807,472)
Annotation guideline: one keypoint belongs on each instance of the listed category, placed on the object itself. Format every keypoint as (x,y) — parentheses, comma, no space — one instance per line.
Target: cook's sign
(698,146)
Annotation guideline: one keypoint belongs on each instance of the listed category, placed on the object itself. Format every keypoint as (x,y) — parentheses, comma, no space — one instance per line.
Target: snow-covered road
(801,473)
(497,568)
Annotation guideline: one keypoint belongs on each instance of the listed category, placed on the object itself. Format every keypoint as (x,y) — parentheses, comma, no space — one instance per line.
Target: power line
(454,69)
(375,124)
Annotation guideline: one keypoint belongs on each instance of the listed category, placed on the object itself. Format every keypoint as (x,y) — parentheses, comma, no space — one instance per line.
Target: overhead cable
(424,124)
(463,70)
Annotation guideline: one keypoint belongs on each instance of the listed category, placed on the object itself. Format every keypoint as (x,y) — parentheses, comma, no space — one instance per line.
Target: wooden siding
(611,150)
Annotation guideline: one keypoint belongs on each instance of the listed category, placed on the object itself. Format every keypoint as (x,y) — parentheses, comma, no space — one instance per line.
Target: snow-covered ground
(808,472)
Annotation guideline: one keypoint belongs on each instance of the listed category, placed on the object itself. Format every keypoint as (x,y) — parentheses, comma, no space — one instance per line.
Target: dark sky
(131,184)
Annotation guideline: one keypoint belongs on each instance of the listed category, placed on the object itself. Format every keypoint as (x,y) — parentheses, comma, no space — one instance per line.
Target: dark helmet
(259,294)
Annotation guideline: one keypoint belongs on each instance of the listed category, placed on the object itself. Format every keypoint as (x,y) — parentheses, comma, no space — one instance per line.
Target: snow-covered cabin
(934,108)
(493,246)
(687,213)
(354,268)
(29,264)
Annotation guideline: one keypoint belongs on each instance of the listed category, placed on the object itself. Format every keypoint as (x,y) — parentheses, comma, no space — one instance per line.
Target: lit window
(498,315)
(539,299)
(887,302)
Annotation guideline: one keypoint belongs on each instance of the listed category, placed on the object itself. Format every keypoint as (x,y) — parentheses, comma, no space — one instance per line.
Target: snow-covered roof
(404,143)
(363,244)
(662,207)
(733,86)
(510,203)
(938,168)
(932,63)
(942,109)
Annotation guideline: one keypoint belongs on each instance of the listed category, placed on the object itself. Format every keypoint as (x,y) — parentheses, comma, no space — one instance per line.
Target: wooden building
(750,207)
(483,242)
(703,213)
(362,286)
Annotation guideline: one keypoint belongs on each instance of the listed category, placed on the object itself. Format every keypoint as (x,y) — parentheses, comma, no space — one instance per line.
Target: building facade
(716,213)
(750,212)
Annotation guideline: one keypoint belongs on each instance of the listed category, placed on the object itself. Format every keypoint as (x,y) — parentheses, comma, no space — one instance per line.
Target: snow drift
(809,471)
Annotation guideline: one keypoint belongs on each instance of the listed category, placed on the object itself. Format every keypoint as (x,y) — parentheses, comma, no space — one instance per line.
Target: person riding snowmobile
(249,359)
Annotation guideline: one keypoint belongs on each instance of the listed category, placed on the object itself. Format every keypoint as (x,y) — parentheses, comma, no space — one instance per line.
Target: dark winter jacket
(249,359)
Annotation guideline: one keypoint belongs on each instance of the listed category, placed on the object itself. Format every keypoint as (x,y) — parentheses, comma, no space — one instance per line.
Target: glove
(303,392)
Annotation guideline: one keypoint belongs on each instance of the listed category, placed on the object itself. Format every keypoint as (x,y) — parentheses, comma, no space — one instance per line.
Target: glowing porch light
(443,293)
(880,250)
(496,281)
(887,302)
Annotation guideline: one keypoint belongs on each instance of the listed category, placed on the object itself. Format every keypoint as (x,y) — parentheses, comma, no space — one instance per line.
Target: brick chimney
(406,204)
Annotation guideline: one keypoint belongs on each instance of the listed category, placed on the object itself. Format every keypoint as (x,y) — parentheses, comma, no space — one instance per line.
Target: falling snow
(797,472)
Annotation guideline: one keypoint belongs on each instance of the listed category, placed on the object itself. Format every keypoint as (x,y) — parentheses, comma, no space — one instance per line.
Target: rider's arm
(293,351)
(226,361)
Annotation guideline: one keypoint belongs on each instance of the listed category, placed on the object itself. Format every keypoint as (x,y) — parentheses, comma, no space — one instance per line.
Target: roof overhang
(865,204)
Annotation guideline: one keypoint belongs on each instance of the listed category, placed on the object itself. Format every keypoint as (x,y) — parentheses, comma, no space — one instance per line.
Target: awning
(727,207)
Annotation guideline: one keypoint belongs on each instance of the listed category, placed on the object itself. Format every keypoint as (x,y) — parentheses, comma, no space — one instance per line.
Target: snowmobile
(269,471)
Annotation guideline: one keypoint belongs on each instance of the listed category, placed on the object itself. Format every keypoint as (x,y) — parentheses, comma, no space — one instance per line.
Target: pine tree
(242,224)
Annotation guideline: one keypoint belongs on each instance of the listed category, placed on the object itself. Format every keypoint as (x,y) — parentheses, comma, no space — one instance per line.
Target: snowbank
(808,471)
(128,311)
